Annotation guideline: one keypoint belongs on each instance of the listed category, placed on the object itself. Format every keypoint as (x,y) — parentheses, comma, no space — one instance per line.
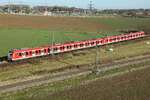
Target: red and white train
(21,54)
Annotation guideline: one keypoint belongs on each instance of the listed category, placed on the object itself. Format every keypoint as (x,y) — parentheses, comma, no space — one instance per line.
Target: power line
(91,5)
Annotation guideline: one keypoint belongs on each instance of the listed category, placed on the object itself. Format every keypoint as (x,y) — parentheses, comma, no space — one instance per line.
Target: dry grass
(130,86)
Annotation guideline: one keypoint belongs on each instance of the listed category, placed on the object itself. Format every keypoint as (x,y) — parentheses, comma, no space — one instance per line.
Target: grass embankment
(45,92)
(19,73)
(27,38)
(117,24)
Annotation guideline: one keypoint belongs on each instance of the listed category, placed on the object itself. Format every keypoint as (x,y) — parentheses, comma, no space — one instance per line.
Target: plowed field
(131,86)
(53,23)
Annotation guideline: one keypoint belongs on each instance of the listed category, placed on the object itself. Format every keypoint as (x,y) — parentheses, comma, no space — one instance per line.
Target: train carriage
(24,53)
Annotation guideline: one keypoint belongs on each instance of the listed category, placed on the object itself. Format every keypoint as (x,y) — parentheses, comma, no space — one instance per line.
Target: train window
(45,50)
(97,42)
(86,44)
(20,54)
(81,45)
(67,47)
(39,51)
(36,51)
(129,36)
(75,45)
(61,48)
(55,49)
(26,53)
(92,43)
(30,52)
(48,49)
(114,39)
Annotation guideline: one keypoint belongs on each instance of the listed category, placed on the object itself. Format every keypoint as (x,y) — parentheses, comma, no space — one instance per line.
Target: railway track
(37,60)
(45,80)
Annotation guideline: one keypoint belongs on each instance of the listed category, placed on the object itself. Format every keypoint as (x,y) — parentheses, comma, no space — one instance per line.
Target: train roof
(71,43)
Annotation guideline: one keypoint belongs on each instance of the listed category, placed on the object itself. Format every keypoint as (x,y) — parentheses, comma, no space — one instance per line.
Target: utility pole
(91,7)
(96,68)
(52,44)
(21,7)
(8,6)
(45,8)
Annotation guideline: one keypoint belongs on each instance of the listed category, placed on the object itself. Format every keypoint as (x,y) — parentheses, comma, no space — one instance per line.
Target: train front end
(10,55)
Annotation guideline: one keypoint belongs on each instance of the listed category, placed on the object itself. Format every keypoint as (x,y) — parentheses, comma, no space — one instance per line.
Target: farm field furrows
(51,23)
(129,86)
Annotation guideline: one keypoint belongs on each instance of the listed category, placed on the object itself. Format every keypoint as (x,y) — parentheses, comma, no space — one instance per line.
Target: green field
(25,38)
(117,24)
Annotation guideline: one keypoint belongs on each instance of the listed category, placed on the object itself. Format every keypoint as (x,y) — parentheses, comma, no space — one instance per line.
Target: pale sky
(98,4)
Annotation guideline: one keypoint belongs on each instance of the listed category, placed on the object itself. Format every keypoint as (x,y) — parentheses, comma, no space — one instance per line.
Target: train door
(33,53)
(23,55)
(42,51)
